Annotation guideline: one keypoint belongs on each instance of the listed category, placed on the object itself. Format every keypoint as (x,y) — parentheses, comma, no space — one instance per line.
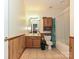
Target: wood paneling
(71,47)
(16,47)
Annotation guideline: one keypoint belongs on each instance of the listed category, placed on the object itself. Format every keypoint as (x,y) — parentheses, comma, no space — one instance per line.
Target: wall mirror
(33,25)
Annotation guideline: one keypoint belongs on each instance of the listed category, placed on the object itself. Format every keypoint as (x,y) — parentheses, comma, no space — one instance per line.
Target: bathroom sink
(33,34)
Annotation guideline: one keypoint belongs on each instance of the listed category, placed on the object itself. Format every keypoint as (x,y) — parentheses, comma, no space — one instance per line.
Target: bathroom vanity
(33,41)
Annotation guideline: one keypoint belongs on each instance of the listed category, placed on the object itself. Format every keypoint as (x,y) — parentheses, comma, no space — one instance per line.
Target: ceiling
(50,6)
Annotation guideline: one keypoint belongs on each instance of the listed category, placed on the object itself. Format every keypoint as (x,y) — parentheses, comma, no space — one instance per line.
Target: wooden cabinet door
(45,22)
(16,48)
(29,42)
(36,42)
(33,41)
(49,22)
(71,48)
(20,42)
(10,49)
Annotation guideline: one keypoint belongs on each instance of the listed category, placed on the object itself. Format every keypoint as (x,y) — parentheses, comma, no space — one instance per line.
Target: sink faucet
(39,32)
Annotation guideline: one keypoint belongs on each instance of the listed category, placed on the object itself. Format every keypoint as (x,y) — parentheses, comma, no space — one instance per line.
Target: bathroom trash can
(43,44)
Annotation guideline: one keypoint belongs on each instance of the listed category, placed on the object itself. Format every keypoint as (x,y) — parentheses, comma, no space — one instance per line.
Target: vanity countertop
(33,34)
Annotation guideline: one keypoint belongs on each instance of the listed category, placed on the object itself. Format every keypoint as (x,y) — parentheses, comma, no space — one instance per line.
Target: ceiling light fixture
(50,6)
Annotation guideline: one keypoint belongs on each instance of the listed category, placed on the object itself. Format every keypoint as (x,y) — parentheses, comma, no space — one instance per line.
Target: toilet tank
(47,38)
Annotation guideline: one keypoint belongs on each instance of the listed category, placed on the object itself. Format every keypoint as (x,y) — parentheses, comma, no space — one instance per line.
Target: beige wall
(6,19)
(71,17)
(16,14)
(14,23)
(63,31)
(41,25)
(63,26)
(66,17)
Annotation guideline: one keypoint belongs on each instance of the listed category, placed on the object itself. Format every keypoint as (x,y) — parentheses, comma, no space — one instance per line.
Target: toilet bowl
(48,41)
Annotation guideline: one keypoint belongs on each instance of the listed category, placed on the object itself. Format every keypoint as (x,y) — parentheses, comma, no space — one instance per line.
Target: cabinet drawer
(36,43)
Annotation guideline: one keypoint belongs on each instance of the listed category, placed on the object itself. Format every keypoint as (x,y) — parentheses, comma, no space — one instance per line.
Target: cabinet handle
(70,47)
(5,39)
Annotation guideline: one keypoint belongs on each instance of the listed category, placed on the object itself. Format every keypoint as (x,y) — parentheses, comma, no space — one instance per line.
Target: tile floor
(42,54)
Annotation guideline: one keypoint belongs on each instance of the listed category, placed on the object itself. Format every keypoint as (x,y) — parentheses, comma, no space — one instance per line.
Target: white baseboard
(63,48)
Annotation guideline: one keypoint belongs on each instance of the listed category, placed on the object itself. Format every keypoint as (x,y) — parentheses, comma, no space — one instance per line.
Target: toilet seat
(49,43)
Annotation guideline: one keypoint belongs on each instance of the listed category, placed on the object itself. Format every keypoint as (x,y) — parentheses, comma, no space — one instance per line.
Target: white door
(6,30)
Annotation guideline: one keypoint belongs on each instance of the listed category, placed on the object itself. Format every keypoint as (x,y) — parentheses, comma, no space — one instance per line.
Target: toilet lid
(47,38)
(49,42)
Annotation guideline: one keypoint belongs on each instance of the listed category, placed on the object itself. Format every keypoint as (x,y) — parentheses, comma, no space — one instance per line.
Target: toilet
(48,41)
